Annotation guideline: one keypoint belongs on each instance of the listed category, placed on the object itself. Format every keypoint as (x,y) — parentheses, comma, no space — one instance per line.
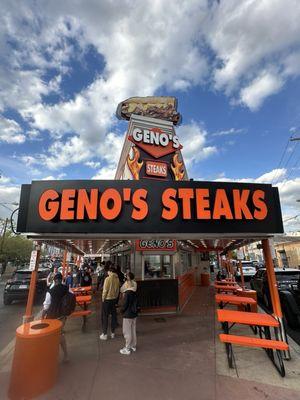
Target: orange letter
(261,208)
(222,207)
(202,202)
(140,205)
(48,208)
(240,204)
(170,209)
(67,204)
(113,197)
(87,204)
(186,194)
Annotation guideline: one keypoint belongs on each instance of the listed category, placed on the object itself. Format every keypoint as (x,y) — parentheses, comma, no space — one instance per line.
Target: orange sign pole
(271,278)
(28,317)
(274,292)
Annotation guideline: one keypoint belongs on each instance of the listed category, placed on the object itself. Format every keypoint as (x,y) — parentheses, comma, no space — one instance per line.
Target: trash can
(205,279)
(35,362)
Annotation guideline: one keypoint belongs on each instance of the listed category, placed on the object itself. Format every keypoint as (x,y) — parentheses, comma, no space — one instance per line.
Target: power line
(282,157)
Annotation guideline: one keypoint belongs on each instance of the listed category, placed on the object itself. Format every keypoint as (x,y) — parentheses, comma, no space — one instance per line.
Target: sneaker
(133,348)
(125,351)
(112,335)
(103,336)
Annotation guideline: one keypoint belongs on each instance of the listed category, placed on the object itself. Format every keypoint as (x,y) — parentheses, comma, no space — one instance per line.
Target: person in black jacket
(129,311)
(52,308)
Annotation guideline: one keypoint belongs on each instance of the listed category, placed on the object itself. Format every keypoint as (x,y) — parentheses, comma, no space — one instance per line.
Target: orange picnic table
(82,290)
(273,348)
(247,318)
(226,288)
(224,299)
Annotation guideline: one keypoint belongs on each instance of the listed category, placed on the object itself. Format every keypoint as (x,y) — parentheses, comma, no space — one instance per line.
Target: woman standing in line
(129,311)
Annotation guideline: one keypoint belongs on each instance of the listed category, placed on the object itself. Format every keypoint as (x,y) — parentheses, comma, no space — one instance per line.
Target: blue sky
(233,65)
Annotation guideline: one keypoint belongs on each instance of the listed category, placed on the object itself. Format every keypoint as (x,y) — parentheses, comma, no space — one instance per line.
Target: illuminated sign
(148,207)
(155,142)
(155,245)
(156,168)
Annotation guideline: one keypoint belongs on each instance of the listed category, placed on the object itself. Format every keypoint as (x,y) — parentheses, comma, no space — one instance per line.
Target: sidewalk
(175,359)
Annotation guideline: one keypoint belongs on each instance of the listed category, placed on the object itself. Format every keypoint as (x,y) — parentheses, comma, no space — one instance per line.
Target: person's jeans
(129,332)
(109,308)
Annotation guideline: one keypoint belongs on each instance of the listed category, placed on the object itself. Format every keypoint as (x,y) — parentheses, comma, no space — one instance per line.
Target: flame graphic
(177,168)
(134,165)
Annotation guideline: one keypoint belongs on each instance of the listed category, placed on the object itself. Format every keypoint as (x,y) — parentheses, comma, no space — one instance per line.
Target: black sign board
(114,207)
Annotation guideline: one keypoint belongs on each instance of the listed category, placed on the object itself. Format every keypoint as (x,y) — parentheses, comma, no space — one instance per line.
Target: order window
(158,266)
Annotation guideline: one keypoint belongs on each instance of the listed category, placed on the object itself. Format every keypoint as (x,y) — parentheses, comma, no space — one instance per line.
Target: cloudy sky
(234,66)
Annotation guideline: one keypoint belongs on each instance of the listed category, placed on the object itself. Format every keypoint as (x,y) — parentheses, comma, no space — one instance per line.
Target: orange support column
(271,279)
(274,292)
(35,258)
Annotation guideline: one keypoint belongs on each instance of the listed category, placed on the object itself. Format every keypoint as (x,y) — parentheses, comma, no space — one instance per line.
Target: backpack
(68,304)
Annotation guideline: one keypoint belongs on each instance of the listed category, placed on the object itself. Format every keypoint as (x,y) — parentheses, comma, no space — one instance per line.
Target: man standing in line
(52,308)
(109,299)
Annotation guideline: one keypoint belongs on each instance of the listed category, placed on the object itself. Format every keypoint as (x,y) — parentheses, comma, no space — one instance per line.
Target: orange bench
(264,322)
(267,344)
(224,299)
(226,288)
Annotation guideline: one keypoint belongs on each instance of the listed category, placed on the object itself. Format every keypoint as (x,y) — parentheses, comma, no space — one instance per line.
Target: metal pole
(64,266)
(28,313)
(242,275)
(276,305)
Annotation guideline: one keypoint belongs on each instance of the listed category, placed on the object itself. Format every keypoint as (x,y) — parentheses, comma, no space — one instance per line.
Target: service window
(158,266)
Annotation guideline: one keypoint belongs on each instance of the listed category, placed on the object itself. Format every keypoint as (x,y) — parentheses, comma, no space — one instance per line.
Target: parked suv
(249,271)
(288,286)
(17,287)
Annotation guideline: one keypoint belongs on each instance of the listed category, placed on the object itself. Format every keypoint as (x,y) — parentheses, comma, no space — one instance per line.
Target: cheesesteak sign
(109,207)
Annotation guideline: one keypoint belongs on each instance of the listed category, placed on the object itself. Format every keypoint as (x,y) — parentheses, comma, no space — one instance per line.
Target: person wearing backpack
(129,311)
(58,304)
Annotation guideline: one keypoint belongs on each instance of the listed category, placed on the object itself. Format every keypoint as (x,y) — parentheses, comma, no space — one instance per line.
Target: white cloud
(10,131)
(107,172)
(259,89)
(9,194)
(275,175)
(252,38)
(193,139)
(93,164)
(4,179)
(231,131)
(289,192)
(139,58)
(54,178)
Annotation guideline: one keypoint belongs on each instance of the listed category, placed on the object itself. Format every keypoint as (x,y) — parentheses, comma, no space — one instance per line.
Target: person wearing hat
(52,308)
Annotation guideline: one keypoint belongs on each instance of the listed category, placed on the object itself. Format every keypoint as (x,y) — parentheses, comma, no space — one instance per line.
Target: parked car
(249,271)
(288,286)
(17,287)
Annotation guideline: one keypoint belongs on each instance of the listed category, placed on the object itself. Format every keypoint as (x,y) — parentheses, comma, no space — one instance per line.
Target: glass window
(157,266)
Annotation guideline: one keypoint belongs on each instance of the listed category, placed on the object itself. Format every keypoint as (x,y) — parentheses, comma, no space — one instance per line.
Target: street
(10,318)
